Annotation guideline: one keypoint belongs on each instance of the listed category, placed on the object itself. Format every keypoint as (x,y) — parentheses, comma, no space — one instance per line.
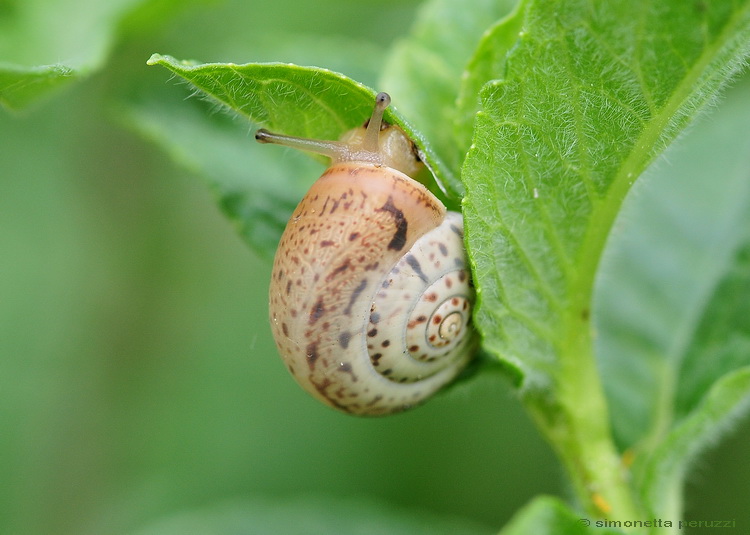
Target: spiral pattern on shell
(420,314)
(370,301)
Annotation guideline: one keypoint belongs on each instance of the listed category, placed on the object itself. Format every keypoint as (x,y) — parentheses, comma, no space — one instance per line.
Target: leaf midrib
(606,209)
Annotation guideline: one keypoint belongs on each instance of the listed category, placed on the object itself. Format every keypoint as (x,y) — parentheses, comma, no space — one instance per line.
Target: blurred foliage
(139,387)
(138,378)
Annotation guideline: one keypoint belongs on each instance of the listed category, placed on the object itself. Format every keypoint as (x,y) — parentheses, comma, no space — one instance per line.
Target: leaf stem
(577,425)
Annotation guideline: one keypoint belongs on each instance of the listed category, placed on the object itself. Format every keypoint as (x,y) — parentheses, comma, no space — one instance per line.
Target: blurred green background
(138,378)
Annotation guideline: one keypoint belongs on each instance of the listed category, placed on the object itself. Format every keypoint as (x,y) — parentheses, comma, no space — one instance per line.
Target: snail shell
(370,298)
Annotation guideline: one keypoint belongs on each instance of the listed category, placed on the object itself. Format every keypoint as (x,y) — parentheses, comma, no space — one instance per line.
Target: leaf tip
(156,59)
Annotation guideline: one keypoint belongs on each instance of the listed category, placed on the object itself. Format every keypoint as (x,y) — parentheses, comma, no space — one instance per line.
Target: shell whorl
(420,314)
(370,297)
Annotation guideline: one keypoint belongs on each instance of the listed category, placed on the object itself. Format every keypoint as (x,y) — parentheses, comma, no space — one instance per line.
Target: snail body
(370,297)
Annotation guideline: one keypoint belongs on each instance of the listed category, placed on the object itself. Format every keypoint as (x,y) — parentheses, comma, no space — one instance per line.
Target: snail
(370,296)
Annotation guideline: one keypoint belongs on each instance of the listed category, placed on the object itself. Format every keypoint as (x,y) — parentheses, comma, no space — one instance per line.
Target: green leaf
(46,45)
(257,189)
(21,86)
(487,63)
(310,517)
(254,190)
(673,304)
(590,95)
(663,471)
(359,60)
(584,109)
(256,186)
(423,74)
(549,516)
(673,301)
(302,101)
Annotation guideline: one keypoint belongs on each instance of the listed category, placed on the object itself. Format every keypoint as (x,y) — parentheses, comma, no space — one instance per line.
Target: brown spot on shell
(317,311)
(346,367)
(344,338)
(355,295)
(312,355)
(322,388)
(416,266)
(399,237)
(347,264)
(414,323)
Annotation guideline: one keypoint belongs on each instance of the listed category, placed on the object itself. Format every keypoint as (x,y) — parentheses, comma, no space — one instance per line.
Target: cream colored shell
(370,299)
